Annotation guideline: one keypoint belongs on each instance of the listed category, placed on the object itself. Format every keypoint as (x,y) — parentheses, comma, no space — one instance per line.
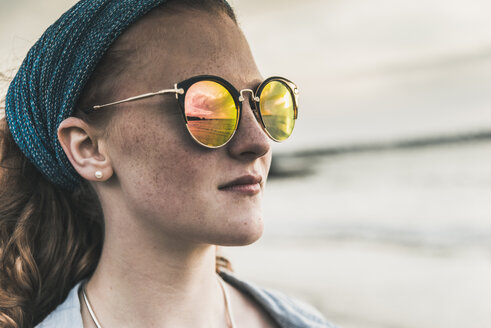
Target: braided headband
(45,90)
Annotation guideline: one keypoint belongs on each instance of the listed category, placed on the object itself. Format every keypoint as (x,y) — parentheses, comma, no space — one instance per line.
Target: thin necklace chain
(228,307)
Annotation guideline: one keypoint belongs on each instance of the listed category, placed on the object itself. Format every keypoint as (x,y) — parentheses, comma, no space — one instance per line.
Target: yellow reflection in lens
(277,110)
(211,113)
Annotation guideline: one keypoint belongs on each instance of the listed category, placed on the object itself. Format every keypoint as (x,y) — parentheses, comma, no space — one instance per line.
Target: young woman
(137,139)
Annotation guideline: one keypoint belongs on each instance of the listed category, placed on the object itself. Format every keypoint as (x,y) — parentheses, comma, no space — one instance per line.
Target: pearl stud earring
(98,174)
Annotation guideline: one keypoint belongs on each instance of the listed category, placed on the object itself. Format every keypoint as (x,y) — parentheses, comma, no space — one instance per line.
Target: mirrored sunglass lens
(211,113)
(277,110)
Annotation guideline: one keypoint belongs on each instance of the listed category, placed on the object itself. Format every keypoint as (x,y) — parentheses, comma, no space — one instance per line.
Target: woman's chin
(243,233)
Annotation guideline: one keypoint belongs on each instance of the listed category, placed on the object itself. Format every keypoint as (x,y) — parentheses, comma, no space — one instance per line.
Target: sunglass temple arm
(146,95)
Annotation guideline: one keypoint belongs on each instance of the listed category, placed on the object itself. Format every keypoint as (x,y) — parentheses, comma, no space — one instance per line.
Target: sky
(368,71)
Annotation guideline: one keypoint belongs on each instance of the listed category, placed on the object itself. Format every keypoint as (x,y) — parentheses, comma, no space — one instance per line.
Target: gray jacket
(287,312)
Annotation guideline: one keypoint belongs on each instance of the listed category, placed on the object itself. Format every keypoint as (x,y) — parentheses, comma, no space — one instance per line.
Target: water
(435,194)
(393,238)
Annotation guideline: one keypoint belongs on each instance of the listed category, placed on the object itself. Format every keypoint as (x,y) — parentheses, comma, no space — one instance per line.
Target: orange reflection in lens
(211,113)
(277,110)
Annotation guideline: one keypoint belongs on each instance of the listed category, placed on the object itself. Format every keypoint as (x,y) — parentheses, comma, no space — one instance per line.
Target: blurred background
(378,208)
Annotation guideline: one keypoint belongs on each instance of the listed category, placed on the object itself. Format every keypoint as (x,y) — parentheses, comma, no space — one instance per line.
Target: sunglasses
(211,107)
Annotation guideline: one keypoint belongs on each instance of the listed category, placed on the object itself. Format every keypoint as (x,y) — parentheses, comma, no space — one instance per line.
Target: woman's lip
(247,179)
(247,184)
(248,189)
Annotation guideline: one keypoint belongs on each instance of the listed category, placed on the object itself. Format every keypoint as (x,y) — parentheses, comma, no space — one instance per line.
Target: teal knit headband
(46,88)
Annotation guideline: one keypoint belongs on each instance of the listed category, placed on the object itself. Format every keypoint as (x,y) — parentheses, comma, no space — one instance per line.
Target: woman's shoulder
(285,310)
(67,314)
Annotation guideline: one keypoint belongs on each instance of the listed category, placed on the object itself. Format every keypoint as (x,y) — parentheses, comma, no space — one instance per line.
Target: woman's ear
(85,151)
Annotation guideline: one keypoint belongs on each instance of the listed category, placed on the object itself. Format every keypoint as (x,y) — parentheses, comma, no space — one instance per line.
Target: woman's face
(169,185)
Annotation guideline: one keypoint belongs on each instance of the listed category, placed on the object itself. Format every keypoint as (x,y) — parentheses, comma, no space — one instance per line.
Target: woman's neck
(143,281)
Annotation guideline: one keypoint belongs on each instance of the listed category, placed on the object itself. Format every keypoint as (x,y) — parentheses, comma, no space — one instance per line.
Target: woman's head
(152,168)
(51,238)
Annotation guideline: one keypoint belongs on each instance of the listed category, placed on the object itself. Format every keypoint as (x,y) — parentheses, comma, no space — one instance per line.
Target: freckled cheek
(177,171)
(158,165)
(138,144)
(177,186)
(167,168)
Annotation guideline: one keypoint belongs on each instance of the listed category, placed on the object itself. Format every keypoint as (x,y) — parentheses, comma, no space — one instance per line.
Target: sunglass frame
(236,95)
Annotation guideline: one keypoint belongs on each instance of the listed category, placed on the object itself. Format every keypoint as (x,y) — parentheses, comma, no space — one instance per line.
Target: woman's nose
(250,141)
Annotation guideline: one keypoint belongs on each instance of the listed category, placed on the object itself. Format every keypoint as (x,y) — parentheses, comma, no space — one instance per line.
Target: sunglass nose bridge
(241,98)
